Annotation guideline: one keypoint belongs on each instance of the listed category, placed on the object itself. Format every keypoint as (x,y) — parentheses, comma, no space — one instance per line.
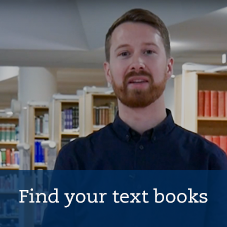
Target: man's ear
(108,76)
(169,70)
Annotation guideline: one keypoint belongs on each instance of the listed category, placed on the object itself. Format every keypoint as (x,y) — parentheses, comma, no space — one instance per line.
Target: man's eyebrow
(121,46)
(127,45)
(150,44)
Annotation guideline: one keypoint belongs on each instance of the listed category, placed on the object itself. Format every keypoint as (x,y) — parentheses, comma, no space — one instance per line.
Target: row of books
(42,124)
(65,141)
(221,141)
(40,156)
(9,157)
(9,208)
(8,132)
(212,103)
(103,115)
(70,118)
(9,183)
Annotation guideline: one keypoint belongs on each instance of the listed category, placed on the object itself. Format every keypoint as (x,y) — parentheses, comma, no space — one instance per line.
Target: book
(221,103)
(216,140)
(208,137)
(223,143)
(201,103)
(225,103)
(213,103)
(207,104)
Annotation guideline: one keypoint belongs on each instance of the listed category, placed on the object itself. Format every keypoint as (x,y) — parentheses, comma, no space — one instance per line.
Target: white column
(34,84)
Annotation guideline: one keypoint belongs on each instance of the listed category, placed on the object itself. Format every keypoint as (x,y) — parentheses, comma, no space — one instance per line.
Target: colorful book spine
(223,143)
(7,132)
(103,115)
(8,157)
(207,103)
(208,138)
(220,141)
(39,152)
(201,95)
(225,103)
(46,124)
(42,124)
(216,140)
(221,103)
(213,103)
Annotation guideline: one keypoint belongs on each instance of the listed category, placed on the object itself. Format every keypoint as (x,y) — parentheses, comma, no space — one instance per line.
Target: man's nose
(137,64)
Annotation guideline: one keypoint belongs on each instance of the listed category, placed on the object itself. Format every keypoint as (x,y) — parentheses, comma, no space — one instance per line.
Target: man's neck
(143,119)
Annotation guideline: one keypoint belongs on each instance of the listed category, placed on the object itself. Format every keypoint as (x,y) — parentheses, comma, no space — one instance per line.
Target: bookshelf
(187,102)
(38,130)
(9,212)
(98,110)
(65,122)
(212,118)
(9,167)
(9,156)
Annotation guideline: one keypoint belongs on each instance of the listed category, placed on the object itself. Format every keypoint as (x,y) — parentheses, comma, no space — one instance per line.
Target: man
(143,135)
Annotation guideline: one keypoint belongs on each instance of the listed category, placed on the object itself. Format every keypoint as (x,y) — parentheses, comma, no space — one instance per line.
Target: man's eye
(124,54)
(149,52)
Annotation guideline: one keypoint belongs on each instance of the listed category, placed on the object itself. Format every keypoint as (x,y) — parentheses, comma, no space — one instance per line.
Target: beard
(139,98)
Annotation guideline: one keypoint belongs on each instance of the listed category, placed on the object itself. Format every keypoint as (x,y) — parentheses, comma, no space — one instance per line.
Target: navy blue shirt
(165,147)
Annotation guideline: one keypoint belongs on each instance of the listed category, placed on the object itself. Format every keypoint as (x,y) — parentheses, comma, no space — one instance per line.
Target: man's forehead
(130,26)
(126,32)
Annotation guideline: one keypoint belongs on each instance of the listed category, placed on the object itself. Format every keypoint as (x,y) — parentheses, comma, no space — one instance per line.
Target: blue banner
(113,198)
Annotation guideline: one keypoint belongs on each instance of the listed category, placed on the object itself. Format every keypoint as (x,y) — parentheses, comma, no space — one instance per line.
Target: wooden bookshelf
(186,102)
(9,168)
(212,118)
(90,101)
(10,143)
(11,120)
(70,133)
(8,137)
(42,137)
(85,104)
(34,112)
(96,128)
(40,165)
(66,114)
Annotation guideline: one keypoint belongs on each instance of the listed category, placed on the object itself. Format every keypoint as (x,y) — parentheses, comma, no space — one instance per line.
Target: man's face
(138,67)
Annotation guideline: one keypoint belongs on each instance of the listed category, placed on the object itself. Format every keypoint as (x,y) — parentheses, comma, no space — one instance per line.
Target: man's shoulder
(195,139)
(91,138)
(197,143)
(80,146)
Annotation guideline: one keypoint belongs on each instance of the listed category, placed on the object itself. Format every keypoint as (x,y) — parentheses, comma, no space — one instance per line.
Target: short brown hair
(143,16)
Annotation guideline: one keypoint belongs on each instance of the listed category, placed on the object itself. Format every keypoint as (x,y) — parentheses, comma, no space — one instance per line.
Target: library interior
(52,83)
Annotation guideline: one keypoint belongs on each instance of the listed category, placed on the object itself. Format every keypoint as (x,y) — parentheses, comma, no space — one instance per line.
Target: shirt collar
(162,129)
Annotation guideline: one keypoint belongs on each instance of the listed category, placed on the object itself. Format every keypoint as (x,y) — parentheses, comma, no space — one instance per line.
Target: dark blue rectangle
(113,198)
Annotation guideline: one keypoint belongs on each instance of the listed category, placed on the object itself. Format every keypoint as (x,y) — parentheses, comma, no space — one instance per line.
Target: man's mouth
(137,81)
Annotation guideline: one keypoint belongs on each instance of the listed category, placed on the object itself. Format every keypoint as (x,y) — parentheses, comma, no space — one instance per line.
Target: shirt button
(141,147)
(127,137)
